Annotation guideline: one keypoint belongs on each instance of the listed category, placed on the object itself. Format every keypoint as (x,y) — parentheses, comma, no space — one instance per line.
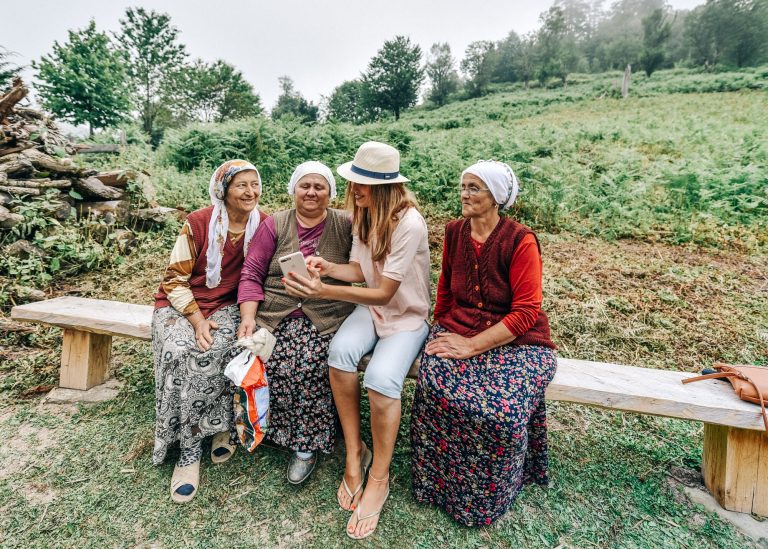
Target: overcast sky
(319,43)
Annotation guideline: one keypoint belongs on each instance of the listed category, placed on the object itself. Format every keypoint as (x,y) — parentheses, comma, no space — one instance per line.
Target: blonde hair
(375,225)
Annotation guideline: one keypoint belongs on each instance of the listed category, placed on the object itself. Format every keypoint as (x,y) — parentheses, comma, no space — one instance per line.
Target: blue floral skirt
(479,429)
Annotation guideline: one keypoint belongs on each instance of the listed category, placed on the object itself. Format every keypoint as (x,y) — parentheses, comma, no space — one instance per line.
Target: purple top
(260,252)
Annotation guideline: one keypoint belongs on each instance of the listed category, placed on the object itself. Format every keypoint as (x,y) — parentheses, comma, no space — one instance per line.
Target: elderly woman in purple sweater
(302,413)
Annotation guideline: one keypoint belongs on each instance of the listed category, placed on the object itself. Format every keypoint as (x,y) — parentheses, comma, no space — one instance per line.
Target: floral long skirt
(479,429)
(193,398)
(302,415)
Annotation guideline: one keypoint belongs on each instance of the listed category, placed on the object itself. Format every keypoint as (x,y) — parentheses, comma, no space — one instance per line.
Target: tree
(508,52)
(525,62)
(291,102)
(441,71)
(235,95)
(478,66)
(83,81)
(150,43)
(581,21)
(656,31)
(7,69)
(618,37)
(734,32)
(347,103)
(558,54)
(214,93)
(394,75)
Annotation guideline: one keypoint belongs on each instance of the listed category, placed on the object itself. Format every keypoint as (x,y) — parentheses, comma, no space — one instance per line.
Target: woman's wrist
(322,291)
(474,347)
(330,270)
(195,319)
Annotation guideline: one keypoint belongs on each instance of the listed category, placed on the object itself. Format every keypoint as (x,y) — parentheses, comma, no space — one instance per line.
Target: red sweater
(208,299)
(498,281)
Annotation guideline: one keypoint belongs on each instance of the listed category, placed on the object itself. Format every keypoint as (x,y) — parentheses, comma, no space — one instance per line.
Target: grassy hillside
(661,165)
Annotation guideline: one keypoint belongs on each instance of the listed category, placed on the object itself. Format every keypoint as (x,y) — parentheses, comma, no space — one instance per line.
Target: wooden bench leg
(84,359)
(735,468)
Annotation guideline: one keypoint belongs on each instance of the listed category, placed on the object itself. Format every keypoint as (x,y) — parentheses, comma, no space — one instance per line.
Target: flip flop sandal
(183,477)
(369,515)
(221,449)
(365,464)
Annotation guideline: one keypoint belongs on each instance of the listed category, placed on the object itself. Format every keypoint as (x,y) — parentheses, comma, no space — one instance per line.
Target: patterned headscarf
(219,225)
(499,177)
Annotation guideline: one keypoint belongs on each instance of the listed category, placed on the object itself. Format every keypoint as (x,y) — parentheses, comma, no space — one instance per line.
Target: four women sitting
(479,417)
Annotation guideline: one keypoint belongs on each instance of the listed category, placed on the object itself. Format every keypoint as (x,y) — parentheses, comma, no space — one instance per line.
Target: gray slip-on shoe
(299,469)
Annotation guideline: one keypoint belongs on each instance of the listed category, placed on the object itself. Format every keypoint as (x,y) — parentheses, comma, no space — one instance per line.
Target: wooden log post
(14,95)
(735,468)
(625,81)
(84,359)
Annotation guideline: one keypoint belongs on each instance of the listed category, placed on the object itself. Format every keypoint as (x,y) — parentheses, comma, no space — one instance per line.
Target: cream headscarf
(312,166)
(219,224)
(500,179)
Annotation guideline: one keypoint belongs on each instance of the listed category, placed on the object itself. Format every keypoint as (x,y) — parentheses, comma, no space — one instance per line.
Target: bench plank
(612,386)
(90,315)
(649,391)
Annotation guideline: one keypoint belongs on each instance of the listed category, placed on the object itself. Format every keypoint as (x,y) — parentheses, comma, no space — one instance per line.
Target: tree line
(574,36)
(143,71)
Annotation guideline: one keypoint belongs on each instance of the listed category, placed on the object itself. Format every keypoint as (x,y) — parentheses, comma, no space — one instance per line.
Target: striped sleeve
(176,280)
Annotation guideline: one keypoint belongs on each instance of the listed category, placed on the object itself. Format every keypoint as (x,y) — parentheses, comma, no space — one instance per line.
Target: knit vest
(480,285)
(335,245)
(208,299)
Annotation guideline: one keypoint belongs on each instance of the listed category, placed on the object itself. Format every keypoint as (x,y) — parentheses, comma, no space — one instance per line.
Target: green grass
(609,488)
(92,484)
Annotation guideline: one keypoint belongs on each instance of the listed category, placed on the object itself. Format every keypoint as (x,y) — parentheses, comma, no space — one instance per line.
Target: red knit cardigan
(480,285)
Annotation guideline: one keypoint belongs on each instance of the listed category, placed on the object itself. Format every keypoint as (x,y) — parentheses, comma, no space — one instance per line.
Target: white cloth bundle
(261,343)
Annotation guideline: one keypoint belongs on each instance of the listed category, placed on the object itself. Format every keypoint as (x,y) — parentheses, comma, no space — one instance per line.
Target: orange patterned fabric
(176,279)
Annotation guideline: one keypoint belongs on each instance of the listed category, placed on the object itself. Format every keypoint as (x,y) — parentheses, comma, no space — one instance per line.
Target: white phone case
(293,263)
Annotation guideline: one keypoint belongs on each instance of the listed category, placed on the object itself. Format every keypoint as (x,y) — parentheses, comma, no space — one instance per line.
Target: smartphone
(293,263)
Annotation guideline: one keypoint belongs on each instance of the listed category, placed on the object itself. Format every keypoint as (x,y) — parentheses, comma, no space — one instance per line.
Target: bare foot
(350,495)
(363,522)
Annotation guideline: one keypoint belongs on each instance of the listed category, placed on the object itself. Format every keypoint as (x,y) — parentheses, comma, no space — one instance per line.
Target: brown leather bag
(749,382)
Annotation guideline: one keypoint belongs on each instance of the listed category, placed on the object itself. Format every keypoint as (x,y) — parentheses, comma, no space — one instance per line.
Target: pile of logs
(34,159)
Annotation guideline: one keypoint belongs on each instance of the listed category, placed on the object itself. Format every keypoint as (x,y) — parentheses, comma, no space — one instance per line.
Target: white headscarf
(312,166)
(219,224)
(500,179)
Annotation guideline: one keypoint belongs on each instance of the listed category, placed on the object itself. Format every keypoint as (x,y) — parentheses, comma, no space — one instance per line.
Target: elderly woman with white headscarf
(302,416)
(478,427)
(195,321)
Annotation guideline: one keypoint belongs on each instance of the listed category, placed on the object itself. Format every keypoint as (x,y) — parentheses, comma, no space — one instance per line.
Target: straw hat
(374,164)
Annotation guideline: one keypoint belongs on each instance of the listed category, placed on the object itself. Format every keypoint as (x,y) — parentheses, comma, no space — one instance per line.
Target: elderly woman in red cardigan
(195,321)
(478,426)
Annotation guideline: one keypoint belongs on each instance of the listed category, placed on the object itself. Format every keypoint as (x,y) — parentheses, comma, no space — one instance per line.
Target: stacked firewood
(35,159)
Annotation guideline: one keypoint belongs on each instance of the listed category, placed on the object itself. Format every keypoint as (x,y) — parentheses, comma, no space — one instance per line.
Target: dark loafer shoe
(299,469)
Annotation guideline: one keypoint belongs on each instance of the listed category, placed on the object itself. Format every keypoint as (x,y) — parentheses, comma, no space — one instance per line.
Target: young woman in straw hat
(390,254)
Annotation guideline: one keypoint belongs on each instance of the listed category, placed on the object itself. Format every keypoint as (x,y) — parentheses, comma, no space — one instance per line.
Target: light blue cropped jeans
(392,355)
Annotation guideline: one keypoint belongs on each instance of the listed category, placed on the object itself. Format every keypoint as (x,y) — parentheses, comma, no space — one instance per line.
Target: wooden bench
(735,456)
